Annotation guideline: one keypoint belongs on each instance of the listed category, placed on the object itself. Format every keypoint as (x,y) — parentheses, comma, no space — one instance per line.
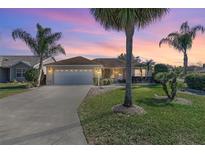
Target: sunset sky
(83,36)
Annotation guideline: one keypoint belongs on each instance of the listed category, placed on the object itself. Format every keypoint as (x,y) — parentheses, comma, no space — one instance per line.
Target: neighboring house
(80,70)
(202,70)
(196,69)
(14,67)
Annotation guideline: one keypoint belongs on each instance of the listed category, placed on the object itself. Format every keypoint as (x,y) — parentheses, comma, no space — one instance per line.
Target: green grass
(162,124)
(7,89)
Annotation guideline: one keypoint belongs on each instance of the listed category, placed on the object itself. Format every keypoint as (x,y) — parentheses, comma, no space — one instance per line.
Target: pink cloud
(89,30)
(71,17)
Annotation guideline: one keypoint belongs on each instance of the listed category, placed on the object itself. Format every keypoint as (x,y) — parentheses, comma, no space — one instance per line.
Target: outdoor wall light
(50,70)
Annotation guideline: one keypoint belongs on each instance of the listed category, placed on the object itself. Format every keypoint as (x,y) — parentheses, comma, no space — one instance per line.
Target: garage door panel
(73,78)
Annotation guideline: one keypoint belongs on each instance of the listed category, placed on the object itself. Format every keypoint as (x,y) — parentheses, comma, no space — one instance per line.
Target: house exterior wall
(4,74)
(46,61)
(119,72)
(114,73)
(51,69)
(13,72)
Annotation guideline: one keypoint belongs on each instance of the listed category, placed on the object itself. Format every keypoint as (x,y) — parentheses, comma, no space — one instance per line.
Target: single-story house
(80,70)
(13,68)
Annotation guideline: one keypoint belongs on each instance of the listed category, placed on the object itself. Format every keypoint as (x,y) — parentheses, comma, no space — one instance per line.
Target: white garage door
(73,77)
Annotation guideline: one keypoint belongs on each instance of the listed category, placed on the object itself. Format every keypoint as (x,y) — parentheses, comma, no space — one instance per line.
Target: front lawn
(162,124)
(7,89)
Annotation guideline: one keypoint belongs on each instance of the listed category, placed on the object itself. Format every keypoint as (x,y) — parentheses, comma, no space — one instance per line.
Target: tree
(168,80)
(31,75)
(182,40)
(138,62)
(149,65)
(43,45)
(127,20)
(160,68)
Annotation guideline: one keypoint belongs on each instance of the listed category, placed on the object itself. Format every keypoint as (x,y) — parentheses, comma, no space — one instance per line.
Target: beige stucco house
(80,70)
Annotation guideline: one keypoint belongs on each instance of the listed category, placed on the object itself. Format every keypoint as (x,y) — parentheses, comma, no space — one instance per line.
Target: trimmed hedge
(195,81)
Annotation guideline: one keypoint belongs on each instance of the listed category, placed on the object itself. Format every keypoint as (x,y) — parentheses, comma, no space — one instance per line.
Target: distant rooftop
(8,61)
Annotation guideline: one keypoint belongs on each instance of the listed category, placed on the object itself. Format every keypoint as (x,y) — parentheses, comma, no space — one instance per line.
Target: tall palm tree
(127,20)
(182,40)
(43,45)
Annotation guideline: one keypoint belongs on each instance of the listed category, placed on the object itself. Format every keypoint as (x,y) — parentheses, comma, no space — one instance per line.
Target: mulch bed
(133,110)
(177,100)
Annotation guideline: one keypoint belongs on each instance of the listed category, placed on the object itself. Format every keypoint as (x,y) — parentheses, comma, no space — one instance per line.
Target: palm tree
(43,45)
(138,62)
(149,64)
(127,20)
(182,40)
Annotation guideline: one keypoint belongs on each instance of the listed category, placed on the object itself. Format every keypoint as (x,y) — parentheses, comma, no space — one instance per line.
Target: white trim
(21,72)
(74,65)
(21,62)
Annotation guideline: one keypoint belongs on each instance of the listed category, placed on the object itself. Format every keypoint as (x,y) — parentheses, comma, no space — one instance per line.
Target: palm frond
(184,27)
(173,35)
(195,29)
(53,37)
(26,37)
(175,43)
(165,41)
(119,19)
(54,50)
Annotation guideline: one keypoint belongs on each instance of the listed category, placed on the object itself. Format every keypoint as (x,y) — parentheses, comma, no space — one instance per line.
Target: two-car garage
(73,77)
(72,71)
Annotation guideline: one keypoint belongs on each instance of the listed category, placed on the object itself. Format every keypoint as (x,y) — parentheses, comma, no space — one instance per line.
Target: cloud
(73,16)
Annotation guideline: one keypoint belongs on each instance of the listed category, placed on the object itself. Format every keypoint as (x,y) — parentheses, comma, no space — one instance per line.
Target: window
(20,72)
(139,73)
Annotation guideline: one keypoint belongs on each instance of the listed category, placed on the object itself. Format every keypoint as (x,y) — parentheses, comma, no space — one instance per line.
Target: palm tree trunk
(185,62)
(40,70)
(147,73)
(129,31)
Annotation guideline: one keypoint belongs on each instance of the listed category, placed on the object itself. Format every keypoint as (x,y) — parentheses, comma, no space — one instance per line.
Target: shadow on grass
(14,87)
(155,102)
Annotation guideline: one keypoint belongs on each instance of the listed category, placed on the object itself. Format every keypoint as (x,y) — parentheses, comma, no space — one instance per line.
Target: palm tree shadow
(14,87)
(163,102)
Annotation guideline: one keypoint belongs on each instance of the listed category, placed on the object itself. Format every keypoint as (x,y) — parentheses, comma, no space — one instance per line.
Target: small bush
(168,80)
(195,81)
(105,81)
(95,81)
(160,68)
(181,85)
(31,75)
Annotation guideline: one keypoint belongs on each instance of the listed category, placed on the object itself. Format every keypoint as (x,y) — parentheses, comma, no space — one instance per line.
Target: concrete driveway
(46,115)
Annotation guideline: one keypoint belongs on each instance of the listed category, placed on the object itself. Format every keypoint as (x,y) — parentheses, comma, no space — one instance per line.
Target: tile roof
(8,61)
(110,62)
(74,61)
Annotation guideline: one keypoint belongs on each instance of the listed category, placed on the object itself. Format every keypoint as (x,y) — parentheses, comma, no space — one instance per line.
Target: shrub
(160,68)
(105,81)
(195,81)
(95,81)
(181,85)
(168,80)
(31,75)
